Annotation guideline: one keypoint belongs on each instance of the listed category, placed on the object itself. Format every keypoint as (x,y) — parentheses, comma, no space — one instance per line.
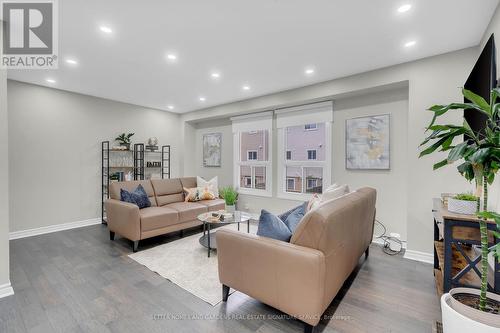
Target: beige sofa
(168,211)
(301,277)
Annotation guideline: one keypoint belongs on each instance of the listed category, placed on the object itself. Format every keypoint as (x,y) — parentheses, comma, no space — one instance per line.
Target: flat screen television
(481,80)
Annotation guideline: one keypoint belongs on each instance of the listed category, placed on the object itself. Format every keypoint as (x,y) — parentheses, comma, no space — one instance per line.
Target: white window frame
(253,123)
(300,116)
(315,154)
(256,155)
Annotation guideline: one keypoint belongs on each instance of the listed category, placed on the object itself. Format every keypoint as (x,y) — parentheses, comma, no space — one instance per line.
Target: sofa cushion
(138,197)
(167,191)
(157,217)
(188,182)
(213,205)
(188,211)
(271,226)
(114,189)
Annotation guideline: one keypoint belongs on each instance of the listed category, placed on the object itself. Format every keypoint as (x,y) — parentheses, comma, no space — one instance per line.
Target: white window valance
(321,112)
(253,122)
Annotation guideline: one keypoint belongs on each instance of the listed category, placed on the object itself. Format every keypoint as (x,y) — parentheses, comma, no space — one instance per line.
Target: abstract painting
(368,143)
(212,149)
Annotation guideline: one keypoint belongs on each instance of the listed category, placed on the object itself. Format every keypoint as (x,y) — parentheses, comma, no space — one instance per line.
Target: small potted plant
(124,140)
(230,196)
(463,203)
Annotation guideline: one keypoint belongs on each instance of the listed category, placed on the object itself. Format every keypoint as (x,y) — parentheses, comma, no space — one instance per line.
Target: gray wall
(4,180)
(55,152)
(430,81)
(391,205)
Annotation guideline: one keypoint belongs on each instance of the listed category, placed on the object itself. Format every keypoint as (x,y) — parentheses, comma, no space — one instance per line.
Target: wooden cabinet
(456,258)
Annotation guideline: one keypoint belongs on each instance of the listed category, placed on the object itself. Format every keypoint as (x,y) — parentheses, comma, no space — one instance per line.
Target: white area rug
(185,263)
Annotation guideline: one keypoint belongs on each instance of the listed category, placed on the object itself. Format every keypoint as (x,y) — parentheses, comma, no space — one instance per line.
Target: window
(252,162)
(304,146)
(311,127)
(311,154)
(252,155)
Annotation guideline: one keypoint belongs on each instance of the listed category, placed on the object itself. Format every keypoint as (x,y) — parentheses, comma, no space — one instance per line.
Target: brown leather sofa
(301,277)
(168,211)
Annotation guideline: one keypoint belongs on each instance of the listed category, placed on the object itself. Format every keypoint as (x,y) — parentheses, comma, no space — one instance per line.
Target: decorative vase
(458,317)
(462,206)
(230,208)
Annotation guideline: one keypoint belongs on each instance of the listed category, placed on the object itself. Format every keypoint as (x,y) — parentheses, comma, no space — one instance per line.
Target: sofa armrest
(288,277)
(124,219)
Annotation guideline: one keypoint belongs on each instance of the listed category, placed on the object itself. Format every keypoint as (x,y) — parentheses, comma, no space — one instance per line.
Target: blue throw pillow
(294,216)
(137,196)
(271,226)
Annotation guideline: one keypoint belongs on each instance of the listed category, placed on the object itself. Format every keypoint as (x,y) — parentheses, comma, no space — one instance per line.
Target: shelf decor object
(368,143)
(136,164)
(212,149)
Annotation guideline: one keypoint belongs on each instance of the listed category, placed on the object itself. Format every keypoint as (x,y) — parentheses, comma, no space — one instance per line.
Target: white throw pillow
(331,187)
(334,193)
(212,185)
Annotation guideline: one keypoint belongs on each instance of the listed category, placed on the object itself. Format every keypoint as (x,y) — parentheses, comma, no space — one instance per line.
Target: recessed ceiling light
(202,99)
(309,71)
(170,107)
(171,57)
(105,29)
(50,80)
(410,43)
(71,61)
(245,87)
(404,8)
(215,75)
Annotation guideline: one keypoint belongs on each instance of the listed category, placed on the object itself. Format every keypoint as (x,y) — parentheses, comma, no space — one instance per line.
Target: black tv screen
(481,80)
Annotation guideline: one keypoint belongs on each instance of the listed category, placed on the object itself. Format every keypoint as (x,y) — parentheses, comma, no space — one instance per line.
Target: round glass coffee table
(210,222)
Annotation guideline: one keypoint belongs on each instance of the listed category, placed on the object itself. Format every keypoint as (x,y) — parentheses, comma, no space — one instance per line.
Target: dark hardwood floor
(80,281)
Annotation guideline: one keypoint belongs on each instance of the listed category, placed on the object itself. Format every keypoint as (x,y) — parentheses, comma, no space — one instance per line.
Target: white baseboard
(6,290)
(53,228)
(410,254)
(419,256)
(381,242)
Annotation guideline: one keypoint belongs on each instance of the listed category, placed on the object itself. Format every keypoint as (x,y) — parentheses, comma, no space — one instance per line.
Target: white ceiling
(266,44)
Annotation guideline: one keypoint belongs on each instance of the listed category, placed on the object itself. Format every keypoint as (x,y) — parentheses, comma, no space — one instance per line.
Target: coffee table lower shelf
(213,242)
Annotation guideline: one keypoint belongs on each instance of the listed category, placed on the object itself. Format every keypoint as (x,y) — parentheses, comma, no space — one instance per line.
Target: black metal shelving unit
(165,162)
(139,155)
(138,167)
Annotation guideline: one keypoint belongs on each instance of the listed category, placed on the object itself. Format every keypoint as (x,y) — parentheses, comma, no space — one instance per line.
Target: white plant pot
(230,208)
(457,317)
(462,206)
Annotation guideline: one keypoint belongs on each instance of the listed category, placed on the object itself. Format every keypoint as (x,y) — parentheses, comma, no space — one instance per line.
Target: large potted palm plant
(467,309)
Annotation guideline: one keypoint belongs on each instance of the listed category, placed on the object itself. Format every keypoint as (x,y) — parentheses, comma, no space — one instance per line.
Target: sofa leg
(308,328)
(135,246)
(225,293)
(111,235)
(367,252)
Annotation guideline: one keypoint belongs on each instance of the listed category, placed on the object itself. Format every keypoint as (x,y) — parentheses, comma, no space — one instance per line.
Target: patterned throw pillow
(314,202)
(198,193)
(192,194)
(137,196)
